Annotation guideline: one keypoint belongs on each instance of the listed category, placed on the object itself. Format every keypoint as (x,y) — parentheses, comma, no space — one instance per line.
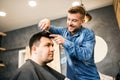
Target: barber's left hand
(58,39)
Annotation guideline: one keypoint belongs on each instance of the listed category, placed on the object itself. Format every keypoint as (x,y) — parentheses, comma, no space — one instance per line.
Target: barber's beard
(73,29)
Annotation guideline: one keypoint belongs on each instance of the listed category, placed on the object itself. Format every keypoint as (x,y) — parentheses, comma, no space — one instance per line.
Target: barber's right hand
(44,24)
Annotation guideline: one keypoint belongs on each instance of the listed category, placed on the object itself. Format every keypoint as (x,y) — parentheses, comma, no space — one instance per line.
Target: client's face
(45,50)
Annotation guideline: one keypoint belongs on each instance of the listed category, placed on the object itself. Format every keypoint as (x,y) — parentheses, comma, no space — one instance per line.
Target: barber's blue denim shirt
(79,49)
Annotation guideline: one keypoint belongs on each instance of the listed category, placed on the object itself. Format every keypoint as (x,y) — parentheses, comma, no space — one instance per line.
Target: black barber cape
(32,71)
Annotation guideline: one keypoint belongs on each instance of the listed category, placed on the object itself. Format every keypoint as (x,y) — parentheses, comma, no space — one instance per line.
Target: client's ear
(33,48)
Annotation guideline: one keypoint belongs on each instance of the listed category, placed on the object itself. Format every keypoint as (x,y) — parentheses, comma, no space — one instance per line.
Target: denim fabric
(79,49)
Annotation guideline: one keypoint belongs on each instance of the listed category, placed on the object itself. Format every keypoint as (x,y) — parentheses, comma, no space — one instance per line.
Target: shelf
(2,34)
(2,49)
(1,64)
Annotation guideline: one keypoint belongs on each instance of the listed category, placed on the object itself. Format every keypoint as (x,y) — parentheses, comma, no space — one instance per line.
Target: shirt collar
(77,33)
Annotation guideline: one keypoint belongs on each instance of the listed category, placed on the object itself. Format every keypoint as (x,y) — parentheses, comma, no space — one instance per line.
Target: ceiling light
(75,3)
(2,13)
(32,3)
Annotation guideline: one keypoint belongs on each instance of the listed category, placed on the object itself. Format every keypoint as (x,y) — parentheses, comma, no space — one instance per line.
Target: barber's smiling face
(74,22)
(45,50)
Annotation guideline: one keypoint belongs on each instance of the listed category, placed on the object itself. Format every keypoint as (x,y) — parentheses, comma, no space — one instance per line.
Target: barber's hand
(44,24)
(58,39)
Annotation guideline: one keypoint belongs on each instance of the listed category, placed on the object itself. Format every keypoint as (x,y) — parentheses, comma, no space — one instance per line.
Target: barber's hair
(77,9)
(36,38)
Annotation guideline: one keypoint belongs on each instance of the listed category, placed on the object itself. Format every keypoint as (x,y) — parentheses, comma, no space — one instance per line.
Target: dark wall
(13,42)
(103,23)
(0,40)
